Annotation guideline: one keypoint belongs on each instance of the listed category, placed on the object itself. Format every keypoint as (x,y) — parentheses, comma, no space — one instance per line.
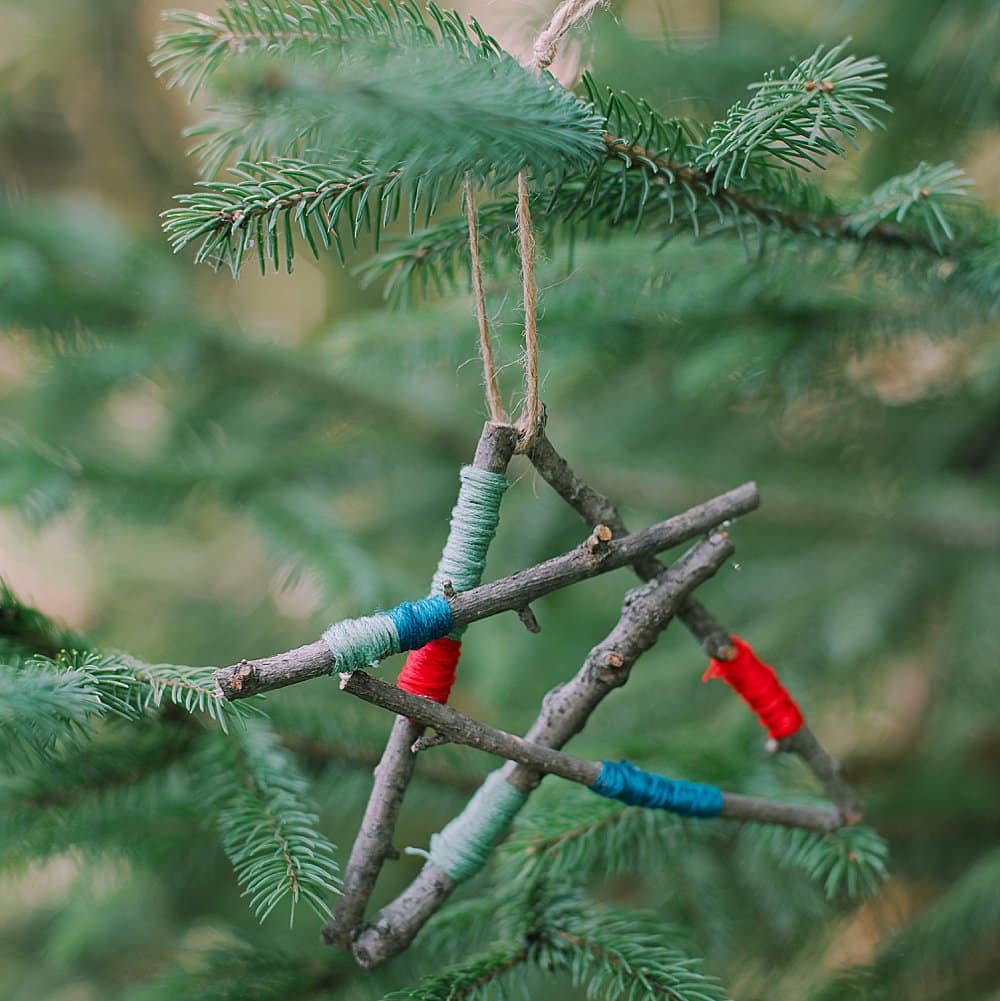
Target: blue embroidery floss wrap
(419,622)
(363,642)
(630,784)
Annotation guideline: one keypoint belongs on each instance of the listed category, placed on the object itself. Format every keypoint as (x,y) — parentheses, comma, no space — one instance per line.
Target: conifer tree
(677,292)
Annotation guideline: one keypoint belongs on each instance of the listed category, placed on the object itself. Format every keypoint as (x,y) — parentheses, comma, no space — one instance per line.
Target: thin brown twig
(564,712)
(540,758)
(394,770)
(714,638)
(315,660)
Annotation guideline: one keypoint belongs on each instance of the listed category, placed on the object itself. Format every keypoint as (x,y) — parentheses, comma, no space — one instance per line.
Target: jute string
(543,51)
(490,382)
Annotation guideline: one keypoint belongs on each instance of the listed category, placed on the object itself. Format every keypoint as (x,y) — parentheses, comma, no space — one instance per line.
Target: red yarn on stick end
(430,671)
(758,685)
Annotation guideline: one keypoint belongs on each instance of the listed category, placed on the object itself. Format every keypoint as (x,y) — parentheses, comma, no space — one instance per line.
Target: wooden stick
(393,772)
(646,612)
(251,677)
(714,638)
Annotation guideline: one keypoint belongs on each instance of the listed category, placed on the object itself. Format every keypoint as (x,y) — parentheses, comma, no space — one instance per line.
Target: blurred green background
(195,470)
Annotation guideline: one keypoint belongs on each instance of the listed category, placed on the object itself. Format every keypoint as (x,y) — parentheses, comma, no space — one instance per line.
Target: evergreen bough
(324,136)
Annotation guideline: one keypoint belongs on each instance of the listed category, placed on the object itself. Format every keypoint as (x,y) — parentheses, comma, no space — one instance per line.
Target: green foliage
(610,953)
(25,631)
(661,175)
(928,197)
(799,114)
(244,28)
(395,108)
(234,468)
(238,972)
(267,828)
(851,860)
(571,835)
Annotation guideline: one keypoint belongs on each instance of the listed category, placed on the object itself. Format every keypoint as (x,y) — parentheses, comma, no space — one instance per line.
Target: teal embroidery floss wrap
(363,642)
(430,670)
(474,521)
(357,643)
(630,784)
(463,847)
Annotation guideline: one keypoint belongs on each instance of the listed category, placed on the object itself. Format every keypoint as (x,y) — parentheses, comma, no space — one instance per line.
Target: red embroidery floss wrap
(430,671)
(758,685)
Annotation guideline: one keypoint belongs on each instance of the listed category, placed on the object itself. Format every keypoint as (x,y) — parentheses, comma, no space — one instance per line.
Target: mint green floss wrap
(462,848)
(362,642)
(474,521)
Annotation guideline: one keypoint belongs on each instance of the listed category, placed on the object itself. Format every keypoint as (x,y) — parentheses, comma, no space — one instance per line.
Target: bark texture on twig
(826,768)
(509,593)
(396,925)
(714,638)
(374,839)
(596,509)
(462,729)
(646,612)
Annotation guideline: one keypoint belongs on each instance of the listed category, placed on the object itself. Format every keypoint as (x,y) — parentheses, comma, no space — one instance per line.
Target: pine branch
(267,829)
(41,709)
(965,916)
(615,954)
(472,979)
(657,173)
(73,687)
(269,201)
(850,860)
(247,678)
(238,971)
(247,28)
(425,105)
(623,954)
(564,837)
(928,197)
(119,793)
(798,114)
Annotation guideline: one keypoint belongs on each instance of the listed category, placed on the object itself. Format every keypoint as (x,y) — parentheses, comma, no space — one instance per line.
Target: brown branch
(565,711)
(596,509)
(462,729)
(247,678)
(714,638)
(393,772)
(827,769)
(662,170)
(317,753)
